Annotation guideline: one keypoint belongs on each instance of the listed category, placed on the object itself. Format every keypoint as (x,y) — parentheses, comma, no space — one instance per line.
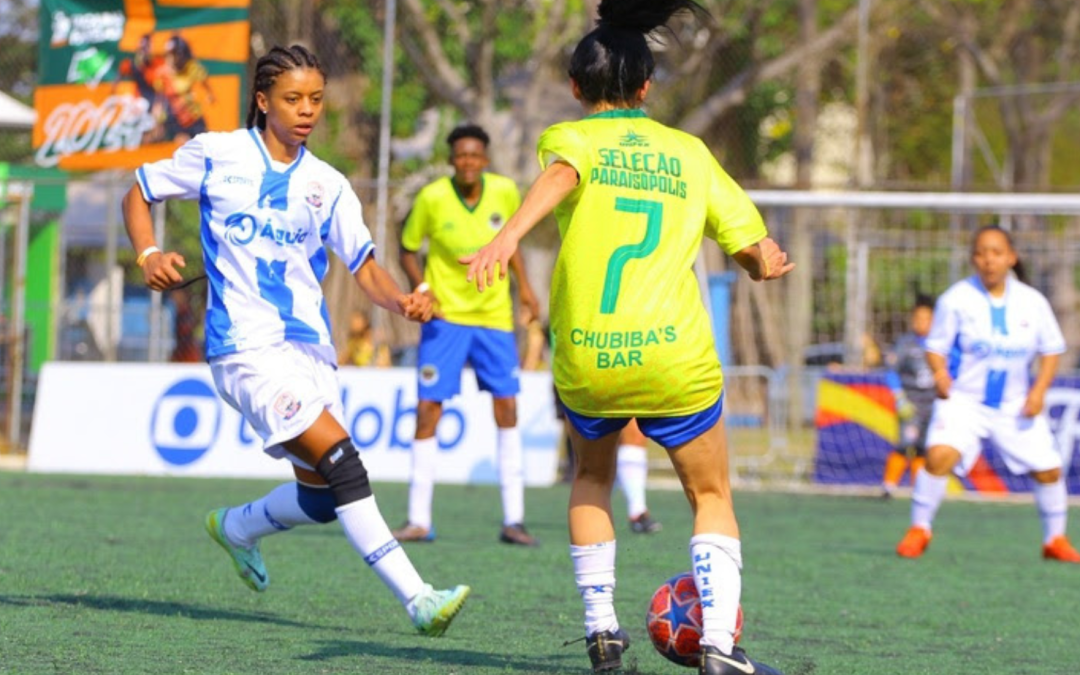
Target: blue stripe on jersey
(274,289)
(140,175)
(259,144)
(275,190)
(995,388)
(275,184)
(368,249)
(955,354)
(320,262)
(325,311)
(997,320)
(324,231)
(218,321)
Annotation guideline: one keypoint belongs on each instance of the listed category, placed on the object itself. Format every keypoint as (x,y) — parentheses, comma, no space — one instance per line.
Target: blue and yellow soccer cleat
(432,611)
(247,561)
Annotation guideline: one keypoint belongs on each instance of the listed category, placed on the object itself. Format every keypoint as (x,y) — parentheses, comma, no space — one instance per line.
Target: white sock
(1053,503)
(631,472)
(511,475)
(422,484)
(594,571)
(717,565)
(370,536)
(926,498)
(277,511)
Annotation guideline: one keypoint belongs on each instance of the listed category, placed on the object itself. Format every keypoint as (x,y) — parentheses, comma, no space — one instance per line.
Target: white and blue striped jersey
(991,343)
(264,228)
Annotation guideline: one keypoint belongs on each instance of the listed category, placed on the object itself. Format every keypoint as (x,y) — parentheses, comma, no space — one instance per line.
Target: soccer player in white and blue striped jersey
(268,209)
(988,331)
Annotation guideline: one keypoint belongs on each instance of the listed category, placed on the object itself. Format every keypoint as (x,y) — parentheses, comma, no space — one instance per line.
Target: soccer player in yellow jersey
(633,199)
(457,215)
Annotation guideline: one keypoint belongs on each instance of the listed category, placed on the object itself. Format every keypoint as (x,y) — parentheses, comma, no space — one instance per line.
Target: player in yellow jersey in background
(633,199)
(457,215)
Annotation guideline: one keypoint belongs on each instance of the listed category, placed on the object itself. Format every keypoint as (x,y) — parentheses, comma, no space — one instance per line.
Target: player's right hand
(416,307)
(436,308)
(159,270)
(491,260)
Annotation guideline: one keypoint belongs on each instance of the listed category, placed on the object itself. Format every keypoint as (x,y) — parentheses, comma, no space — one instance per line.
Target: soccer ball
(674,621)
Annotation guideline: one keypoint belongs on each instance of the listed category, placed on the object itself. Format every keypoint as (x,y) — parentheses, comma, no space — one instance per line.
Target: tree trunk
(798,287)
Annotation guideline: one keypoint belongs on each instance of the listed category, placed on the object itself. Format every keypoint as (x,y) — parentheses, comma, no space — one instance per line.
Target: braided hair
(275,62)
(613,62)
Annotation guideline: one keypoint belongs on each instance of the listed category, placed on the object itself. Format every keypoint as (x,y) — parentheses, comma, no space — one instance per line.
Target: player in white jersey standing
(268,209)
(988,329)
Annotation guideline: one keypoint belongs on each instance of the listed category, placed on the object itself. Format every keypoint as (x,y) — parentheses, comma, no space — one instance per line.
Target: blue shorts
(669,432)
(446,347)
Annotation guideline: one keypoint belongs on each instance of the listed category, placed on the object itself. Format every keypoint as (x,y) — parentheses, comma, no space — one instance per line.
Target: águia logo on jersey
(633,140)
(242,228)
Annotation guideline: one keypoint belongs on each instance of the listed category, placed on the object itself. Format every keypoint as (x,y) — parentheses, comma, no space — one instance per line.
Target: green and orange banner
(123,82)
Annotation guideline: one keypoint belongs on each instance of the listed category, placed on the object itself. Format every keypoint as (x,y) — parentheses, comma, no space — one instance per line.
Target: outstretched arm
(557,181)
(377,283)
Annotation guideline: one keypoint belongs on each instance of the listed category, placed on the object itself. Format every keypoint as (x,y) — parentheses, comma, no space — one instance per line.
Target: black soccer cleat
(517,534)
(644,524)
(606,649)
(715,662)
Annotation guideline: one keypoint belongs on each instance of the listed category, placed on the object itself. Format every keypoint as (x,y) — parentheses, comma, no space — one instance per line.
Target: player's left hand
(416,307)
(489,260)
(774,260)
(530,307)
(1034,403)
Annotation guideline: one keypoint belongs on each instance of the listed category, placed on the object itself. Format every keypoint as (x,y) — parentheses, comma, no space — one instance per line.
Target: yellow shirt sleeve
(563,142)
(731,219)
(416,229)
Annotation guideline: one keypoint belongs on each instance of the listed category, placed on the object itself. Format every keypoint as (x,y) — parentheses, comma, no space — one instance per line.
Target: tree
(1029,42)
(18,68)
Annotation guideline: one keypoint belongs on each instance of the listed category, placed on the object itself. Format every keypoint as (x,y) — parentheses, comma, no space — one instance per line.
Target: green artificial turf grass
(117,575)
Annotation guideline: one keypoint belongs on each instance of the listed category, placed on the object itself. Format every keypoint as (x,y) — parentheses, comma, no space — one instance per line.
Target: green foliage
(326,144)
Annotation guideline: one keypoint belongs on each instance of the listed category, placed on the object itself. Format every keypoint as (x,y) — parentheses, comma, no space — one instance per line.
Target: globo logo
(185,422)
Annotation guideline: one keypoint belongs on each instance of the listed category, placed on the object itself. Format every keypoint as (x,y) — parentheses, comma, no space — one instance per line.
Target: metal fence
(862,257)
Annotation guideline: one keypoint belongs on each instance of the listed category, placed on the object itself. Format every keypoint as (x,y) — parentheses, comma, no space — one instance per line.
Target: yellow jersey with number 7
(630,334)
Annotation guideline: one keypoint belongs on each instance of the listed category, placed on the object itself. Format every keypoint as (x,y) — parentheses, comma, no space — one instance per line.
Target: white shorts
(280,390)
(1025,443)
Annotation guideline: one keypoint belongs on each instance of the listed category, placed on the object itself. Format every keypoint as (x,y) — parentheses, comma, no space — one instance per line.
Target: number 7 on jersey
(654,213)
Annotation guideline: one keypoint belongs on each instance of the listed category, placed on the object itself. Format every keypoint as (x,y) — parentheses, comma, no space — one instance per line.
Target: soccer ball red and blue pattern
(674,621)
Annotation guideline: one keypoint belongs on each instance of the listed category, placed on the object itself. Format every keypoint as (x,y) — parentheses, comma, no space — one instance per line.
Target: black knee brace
(343,471)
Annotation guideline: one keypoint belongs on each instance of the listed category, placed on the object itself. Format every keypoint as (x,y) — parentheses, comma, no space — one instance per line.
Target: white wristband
(423,287)
(147,252)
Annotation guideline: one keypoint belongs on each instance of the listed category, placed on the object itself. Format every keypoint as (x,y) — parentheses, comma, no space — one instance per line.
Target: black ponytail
(613,62)
(1018,269)
(269,67)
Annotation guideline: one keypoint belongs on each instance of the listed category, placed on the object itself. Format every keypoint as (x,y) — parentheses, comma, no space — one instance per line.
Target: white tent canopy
(15,115)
